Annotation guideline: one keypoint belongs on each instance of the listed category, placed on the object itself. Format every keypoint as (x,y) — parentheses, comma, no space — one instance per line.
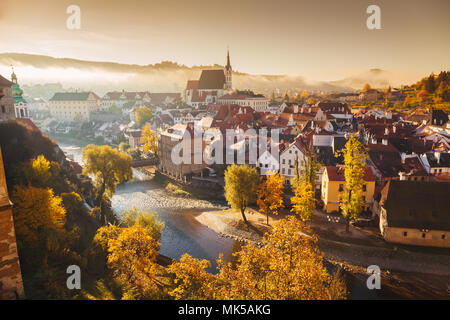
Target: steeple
(228,60)
(13,76)
(228,73)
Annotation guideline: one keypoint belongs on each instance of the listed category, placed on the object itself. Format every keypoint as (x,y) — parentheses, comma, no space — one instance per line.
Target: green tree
(241,184)
(143,114)
(109,167)
(351,200)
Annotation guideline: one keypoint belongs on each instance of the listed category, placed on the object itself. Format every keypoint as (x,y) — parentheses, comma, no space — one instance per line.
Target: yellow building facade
(333,181)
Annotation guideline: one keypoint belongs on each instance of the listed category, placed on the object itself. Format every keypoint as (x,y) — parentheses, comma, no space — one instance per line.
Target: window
(284,161)
(364,198)
(405,234)
(283,171)
(424,235)
(341,187)
(364,188)
(443,237)
(3,109)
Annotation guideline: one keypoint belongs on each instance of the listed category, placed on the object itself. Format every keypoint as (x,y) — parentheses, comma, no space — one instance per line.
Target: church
(213,84)
(20,104)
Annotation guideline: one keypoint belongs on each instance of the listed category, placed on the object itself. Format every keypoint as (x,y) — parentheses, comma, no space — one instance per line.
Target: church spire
(228,73)
(228,67)
(13,75)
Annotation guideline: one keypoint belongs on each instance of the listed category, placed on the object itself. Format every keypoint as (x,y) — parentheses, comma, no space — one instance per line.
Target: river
(183,233)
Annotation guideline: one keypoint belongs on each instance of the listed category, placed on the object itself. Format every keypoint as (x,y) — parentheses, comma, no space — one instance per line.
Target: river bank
(405,274)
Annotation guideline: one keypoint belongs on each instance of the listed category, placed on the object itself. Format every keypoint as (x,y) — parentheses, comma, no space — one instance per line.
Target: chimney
(403,155)
(437,155)
(296,109)
(386,131)
(402,176)
(384,141)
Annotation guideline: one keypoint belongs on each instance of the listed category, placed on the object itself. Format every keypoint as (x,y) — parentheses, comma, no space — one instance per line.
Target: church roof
(212,80)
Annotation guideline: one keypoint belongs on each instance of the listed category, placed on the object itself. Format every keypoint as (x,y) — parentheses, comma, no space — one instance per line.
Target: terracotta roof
(192,85)
(337,174)
(211,79)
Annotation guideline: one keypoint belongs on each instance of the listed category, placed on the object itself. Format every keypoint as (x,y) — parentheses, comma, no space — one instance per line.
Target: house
(10,274)
(7,111)
(181,151)
(122,98)
(257,102)
(416,213)
(134,138)
(370,95)
(333,181)
(74,106)
(437,165)
(294,155)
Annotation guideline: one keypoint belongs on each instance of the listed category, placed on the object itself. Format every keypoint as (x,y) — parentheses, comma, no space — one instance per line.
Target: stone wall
(11,286)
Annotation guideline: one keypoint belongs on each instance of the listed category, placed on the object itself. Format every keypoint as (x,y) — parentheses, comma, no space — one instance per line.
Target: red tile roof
(337,174)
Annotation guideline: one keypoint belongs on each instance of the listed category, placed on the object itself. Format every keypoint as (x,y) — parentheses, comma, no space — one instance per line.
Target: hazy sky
(318,39)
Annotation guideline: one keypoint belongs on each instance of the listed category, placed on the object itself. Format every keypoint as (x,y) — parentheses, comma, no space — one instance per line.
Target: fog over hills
(171,77)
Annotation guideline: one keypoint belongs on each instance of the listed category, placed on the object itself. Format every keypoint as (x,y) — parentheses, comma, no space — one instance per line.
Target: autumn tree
(109,167)
(144,219)
(303,201)
(270,194)
(241,184)
(149,139)
(143,114)
(191,279)
(367,87)
(288,266)
(38,215)
(304,95)
(131,255)
(351,199)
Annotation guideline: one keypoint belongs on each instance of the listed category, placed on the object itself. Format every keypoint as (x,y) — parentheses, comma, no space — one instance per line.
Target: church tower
(228,74)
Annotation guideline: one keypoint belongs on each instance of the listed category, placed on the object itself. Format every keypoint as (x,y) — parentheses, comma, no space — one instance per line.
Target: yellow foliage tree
(131,254)
(143,114)
(38,214)
(144,219)
(367,87)
(241,184)
(351,200)
(149,140)
(109,168)
(270,194)
(191,281)
(303,201)
(287,266)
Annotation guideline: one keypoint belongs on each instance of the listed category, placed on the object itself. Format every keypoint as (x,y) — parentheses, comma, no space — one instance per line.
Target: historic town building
(11,286)
(6,100)
(212,84)
(74,106)
(20,104)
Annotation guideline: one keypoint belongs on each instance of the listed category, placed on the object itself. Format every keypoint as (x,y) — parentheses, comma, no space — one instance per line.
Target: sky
(317,39)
